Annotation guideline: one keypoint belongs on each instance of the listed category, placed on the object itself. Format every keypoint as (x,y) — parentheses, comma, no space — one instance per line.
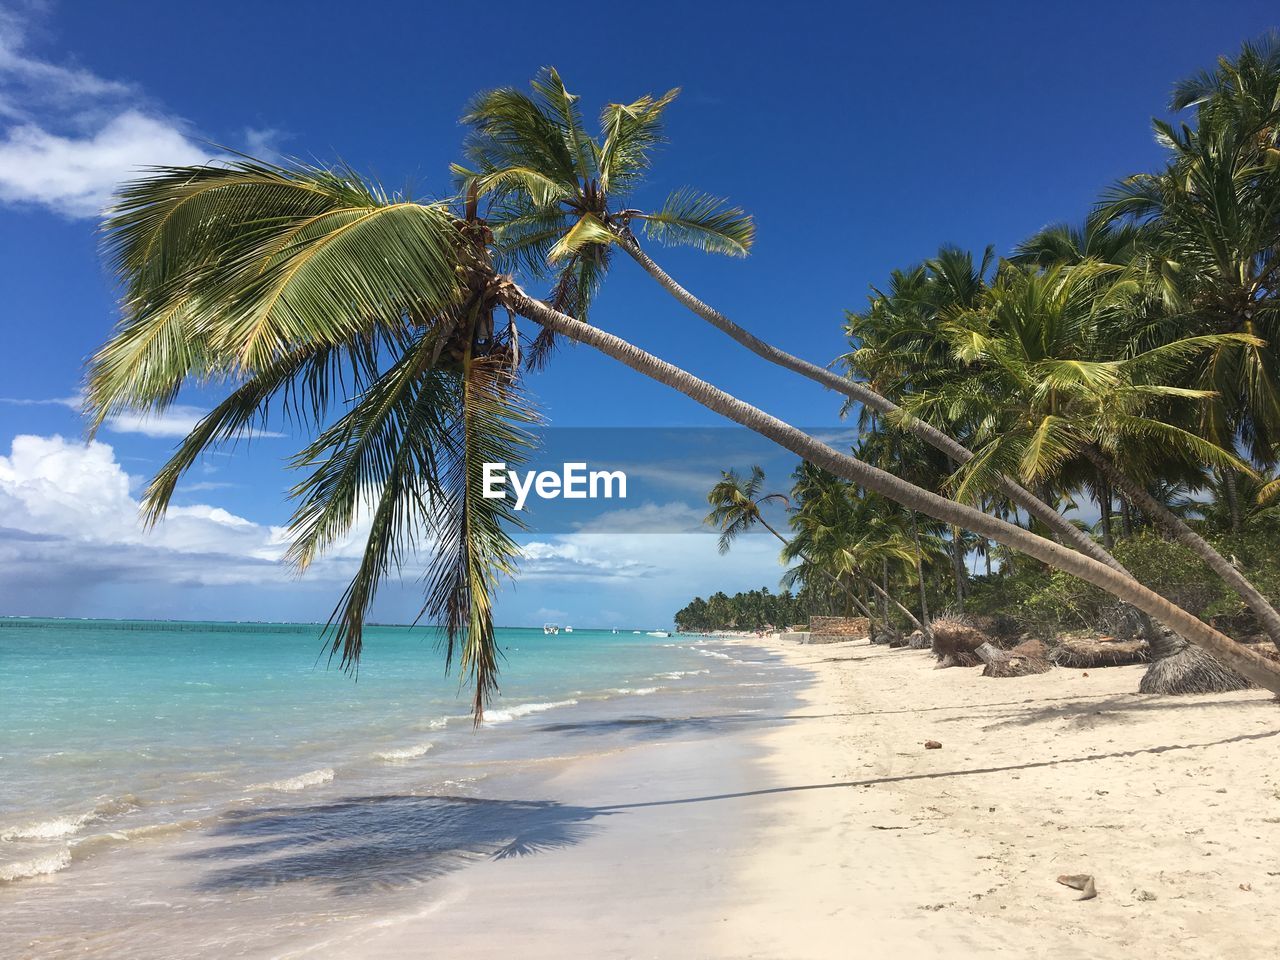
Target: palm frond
(694,219)
(474,549)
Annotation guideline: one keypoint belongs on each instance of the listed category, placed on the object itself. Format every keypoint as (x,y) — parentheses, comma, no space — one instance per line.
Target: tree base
(1191,671)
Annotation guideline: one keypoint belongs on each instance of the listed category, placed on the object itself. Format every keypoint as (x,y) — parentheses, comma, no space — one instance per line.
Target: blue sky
(860,139)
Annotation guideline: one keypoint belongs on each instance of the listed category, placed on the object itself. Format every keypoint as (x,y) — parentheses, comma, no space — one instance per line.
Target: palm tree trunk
(884,592)
(1183,534)
(860,576)
(1067,533)
(1104,506)
(1232,492)
(1126,518)
(1244,661)
(924,600)
(957,564)
(906,612)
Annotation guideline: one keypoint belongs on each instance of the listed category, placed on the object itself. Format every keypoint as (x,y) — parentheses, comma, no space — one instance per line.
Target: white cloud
(76,175)
(73,136)
(76,493)
(673,517)
(172,422)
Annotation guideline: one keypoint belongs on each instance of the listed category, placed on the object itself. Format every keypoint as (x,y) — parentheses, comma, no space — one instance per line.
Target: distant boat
(568,629)
(659,633)
(635,631)
(615,631)
(551,629)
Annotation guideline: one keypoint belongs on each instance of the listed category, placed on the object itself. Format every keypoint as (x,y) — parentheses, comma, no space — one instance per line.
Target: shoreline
(789,826)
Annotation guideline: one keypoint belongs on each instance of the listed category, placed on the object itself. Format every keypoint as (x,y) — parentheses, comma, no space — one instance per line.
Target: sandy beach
(830,831)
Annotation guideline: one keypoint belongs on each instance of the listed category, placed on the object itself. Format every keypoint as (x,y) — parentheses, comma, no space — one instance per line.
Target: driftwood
(1082,654)
(1024,660)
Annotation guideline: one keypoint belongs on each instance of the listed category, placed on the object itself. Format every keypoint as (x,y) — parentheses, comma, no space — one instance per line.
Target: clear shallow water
(168,775)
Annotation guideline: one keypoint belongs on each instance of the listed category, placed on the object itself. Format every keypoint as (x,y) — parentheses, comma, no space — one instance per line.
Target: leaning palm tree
(277,282)
(558,200)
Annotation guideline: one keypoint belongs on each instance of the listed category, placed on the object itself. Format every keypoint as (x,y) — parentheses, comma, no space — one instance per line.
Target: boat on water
(659,633)
(568,629)
(551,629)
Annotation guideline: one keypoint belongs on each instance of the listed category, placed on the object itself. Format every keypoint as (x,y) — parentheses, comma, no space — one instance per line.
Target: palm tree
(735,510)
(838,530)
(278,281)
(1048,393)
(1212,219)
(556,196)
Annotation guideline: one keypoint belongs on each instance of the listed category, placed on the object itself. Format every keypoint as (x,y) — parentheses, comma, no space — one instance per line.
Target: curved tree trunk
(1066,532)
(884,592)
(1244,661)
(887,597)
(1183,534)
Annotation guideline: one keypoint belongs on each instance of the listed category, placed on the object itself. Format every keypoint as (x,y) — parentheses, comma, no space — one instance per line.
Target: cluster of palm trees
(1128,359)
(748,610)
(389,328)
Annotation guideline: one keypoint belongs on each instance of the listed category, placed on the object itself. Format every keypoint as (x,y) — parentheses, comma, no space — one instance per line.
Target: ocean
(159,779)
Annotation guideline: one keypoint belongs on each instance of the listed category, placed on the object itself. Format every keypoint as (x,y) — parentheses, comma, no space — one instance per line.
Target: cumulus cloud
(76,496)
(73,136)
(76,175)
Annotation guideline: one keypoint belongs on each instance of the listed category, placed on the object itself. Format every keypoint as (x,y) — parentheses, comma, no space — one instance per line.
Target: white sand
(836,834)
(955,852)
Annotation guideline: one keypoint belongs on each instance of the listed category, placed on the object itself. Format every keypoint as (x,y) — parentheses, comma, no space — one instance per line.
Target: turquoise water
(99,719)
(166,775)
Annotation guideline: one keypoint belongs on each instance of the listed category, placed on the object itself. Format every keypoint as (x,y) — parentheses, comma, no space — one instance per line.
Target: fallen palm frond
(1080,653)
(1026,659)
(1191,671)
(954,642)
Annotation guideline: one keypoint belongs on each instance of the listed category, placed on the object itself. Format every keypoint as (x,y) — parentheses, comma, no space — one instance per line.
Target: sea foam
(300,782)
(36,867)
(69,824)
(523,710)
(404,753)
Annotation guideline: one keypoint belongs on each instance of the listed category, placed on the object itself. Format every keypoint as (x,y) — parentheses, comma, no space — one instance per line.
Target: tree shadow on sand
(359,844)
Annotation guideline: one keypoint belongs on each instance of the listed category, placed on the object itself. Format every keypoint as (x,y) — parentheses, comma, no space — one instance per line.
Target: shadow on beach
(359,844)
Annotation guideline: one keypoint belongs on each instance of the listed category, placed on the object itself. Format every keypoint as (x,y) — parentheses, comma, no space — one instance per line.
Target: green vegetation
(1121,369)
(753,610)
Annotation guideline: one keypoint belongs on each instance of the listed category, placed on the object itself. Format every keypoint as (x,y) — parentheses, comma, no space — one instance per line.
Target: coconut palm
(558,197)
(1047,391)
(558,194)
(277,282)
(840,529)
(1212,217)
(735,510)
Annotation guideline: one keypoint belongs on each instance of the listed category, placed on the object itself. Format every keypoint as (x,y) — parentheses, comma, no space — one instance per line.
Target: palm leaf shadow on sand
(359,844)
